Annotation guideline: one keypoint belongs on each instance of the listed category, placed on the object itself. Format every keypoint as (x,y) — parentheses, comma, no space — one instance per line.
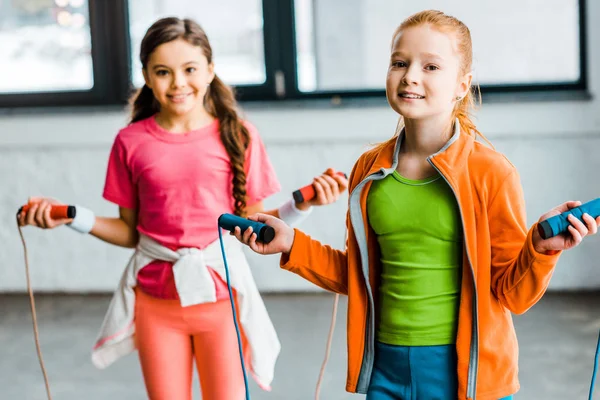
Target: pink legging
(169,336)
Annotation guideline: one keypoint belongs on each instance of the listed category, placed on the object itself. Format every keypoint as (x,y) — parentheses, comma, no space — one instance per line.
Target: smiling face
(424,76)
(178,74)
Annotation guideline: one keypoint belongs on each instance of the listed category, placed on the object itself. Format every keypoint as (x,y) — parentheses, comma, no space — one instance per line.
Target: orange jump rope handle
(308,193)
(58,211)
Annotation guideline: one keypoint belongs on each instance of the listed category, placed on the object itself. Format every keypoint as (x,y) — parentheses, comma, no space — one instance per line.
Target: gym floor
(557,340)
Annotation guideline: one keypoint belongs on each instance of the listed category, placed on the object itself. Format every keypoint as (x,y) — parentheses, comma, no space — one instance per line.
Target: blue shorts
(414,373)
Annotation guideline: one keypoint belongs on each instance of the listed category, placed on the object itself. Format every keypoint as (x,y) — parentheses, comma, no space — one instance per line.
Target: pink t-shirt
(180,184)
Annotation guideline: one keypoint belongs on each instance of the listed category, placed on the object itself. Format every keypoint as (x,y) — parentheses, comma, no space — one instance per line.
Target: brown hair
(448,24)
(219,100)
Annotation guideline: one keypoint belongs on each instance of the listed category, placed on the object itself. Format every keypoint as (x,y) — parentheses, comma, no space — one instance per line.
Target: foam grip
(57,211)
(264,232)
(307,193)
(559,223)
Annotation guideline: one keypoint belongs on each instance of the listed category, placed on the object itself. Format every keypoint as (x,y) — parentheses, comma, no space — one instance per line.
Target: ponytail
(462,112)
(143,104)
(220,102)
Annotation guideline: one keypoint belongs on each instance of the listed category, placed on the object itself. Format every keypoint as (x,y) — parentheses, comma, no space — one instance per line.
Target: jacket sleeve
(320,264)
(520,275)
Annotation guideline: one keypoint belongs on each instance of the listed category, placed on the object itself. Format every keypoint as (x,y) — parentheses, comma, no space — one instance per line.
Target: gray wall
(553,144)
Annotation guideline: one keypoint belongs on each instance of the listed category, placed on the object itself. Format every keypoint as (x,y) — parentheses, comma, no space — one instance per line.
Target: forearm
(275,212)
(320,264)
(522,282)
(115,231)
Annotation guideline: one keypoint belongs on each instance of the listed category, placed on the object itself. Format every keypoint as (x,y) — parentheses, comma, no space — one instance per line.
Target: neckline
(415,182)
(161,133)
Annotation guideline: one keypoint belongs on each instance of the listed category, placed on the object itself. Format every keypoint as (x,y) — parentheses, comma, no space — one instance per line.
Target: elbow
(337,289)
(343,292)
(520,299)
(133,240)
(519,310)
(517,307)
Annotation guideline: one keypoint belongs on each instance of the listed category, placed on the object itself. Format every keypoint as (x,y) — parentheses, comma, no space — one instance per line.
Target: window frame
(541,88)
(112,79)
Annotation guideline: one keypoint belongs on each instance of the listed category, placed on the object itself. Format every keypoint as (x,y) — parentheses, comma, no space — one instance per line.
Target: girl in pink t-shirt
(186,158)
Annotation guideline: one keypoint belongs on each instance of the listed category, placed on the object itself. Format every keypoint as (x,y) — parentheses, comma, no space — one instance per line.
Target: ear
(464,85)
(211,72)
(146,79)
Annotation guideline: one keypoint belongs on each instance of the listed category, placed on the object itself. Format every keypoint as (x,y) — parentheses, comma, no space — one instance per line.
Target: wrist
(290,242)
(304,206)
(84,220)
(536,238)
(291,214)
(539,249)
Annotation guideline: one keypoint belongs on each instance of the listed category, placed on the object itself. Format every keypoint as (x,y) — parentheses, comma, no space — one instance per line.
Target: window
(45,46)
(85,52)
(236,37)
(59,52)
(515,42)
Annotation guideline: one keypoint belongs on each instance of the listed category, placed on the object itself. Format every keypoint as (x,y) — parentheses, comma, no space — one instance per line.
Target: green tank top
(419,232)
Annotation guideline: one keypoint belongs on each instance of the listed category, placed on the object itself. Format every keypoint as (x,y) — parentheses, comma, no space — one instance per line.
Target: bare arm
(118,231)
(260,208)
(328,188)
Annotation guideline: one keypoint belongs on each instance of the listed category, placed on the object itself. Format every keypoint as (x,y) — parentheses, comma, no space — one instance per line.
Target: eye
(432,67)
(190,70)
(162,72)
(398,64)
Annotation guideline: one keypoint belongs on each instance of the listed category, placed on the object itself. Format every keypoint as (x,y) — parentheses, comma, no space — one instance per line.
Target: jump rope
(548,228)
(264,233)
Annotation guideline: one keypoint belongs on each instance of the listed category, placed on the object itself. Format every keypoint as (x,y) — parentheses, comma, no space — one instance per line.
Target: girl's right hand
(39,214)
(282,243)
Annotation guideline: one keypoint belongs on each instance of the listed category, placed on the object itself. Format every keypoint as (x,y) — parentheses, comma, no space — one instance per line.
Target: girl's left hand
(328,188)
(577,230)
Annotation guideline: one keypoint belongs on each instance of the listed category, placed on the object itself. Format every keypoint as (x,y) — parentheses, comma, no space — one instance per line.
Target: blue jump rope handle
(558,224)
(264,232)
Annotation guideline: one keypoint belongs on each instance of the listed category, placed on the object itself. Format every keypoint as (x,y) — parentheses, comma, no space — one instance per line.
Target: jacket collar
(451,156)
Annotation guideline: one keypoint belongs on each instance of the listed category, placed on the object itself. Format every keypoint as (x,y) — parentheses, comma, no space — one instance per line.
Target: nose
(411,75)
(178,80)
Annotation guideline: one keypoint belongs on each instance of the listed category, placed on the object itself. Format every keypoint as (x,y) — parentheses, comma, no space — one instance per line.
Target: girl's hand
(39,214)
(282,243)
(577,230)
(328,187)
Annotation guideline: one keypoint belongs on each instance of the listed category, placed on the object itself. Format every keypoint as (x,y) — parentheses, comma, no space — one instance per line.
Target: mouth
(410,95)
(178,97)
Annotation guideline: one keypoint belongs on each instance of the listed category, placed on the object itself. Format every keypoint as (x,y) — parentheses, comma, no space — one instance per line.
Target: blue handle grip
(558,224)
(264,232)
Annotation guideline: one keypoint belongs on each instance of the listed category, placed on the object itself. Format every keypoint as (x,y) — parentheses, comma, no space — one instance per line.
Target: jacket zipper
(474,348)
(368,357)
